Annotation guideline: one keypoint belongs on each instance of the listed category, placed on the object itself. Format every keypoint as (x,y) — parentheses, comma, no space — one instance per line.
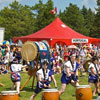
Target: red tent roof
(56,31)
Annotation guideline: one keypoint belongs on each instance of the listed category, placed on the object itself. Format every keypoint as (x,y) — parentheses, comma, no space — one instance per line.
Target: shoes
(19,95)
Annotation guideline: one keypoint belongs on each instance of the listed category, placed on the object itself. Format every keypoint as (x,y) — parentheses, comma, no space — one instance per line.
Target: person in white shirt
(70,73)
(11,57)
(15,74)
(94,75)
(6,57)
(43,79)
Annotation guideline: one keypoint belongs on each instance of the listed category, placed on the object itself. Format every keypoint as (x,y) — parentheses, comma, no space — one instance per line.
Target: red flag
(54,11)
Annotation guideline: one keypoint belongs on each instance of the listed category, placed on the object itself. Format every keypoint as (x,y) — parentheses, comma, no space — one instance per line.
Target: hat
(73,55)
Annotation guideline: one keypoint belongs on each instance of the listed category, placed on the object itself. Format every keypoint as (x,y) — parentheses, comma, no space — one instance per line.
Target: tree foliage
(21,20)
(88,19)
(43,16)
(96,25)
(73,17)
(17,19)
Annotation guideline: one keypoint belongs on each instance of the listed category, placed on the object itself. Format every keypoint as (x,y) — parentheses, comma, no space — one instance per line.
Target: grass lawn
(69,93)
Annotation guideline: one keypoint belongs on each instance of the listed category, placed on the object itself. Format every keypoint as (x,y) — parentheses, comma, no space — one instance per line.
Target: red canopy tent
(57,32)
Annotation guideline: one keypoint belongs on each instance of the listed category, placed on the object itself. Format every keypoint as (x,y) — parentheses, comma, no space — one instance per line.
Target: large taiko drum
(51,94)
(83,92)
(31,49)
(9,95)
(38,51)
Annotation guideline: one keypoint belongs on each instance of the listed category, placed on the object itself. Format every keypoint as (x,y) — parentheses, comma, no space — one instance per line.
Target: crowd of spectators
(59,55)
(7,55)
(84,54)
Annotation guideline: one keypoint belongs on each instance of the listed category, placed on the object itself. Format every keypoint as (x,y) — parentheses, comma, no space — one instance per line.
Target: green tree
(88,18)
(43,16)
(73,17)
(90,21)
(96,26)
(84,12)
(48,16)
(18,20)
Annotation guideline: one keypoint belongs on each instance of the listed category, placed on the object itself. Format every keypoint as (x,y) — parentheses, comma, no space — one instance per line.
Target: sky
(60,4)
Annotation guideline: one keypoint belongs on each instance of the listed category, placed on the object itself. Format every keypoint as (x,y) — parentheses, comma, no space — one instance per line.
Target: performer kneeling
(15,74)
(93,70)
(43,79)
(70,73)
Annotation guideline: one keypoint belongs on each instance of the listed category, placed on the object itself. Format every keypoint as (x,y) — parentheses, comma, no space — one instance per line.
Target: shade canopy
(72,47)
(57,32)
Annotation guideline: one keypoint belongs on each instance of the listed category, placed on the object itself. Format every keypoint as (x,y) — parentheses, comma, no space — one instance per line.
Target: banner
(2,30)
(79,40)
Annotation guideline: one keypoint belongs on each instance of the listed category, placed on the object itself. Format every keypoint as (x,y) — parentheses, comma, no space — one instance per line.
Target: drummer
(70,73)
(15,75)
(43,79)
(94,75)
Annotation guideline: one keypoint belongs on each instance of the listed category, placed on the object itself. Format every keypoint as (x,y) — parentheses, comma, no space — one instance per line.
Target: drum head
(8,92)
(29,51)
(50,90)
(83,86)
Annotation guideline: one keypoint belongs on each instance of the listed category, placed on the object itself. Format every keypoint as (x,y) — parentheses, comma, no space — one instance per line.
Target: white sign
(79,40)
(2,30)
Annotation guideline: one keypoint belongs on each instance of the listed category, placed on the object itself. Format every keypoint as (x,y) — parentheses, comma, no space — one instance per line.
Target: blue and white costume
(67,79)
(93,78)
(44,78)
(15,72)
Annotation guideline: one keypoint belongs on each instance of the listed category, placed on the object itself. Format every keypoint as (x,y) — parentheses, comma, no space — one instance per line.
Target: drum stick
(1,84)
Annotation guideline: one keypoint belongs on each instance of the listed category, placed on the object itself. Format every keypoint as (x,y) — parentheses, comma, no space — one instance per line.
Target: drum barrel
(50,95)
(30,50)
(83,93)
(8,95)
